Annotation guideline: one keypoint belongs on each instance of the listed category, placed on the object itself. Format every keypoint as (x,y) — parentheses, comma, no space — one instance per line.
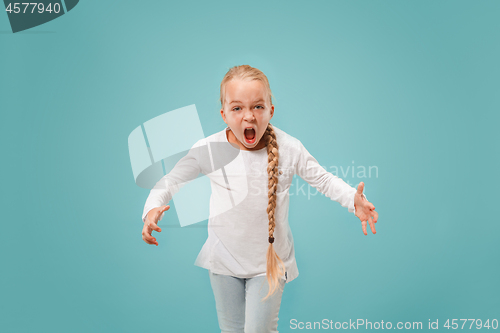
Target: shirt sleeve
(187,169)
(333,187)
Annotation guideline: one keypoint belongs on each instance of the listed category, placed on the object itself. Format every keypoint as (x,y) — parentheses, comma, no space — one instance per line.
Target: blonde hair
(246,72)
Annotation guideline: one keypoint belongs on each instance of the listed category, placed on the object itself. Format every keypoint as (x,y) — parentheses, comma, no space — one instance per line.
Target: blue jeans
(239,306)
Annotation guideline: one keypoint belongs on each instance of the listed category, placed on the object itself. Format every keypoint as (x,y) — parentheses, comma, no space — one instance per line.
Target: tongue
(249,134)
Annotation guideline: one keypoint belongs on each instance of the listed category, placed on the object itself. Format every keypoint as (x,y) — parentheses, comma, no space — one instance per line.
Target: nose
(248,116)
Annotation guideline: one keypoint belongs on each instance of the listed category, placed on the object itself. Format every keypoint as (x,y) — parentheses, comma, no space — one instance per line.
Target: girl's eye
(237,108)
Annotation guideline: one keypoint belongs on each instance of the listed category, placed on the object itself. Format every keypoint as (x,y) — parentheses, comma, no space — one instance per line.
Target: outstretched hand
(365,210)
(152,218)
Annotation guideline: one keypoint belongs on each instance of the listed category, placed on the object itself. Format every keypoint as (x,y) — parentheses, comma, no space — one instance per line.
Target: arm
(325,182)
(187,169)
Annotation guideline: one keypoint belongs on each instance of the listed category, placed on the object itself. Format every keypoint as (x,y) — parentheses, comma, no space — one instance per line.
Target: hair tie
(271,239)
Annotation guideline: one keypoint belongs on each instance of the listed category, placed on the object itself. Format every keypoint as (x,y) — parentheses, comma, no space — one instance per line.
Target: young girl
(249,238)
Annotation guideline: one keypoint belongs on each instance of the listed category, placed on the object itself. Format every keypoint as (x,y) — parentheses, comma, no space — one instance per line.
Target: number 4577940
(16,7)
(479,323)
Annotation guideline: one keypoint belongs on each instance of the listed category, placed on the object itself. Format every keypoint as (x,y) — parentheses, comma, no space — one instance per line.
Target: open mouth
(250,135)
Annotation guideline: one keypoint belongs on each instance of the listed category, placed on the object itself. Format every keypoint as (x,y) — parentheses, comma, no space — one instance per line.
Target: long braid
(273,260)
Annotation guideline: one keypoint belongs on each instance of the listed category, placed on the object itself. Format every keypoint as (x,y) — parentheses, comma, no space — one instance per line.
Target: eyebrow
(260,100)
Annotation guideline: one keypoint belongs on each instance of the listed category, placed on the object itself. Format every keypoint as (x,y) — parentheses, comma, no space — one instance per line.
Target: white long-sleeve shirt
(238,233)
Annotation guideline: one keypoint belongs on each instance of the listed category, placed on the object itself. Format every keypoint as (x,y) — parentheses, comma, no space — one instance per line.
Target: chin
(250,145)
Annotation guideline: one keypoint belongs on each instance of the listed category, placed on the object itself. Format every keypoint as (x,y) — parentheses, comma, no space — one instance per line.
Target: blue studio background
(409,88)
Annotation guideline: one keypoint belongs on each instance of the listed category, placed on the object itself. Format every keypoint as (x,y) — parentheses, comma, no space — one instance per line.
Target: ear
(223,115)
(272,110)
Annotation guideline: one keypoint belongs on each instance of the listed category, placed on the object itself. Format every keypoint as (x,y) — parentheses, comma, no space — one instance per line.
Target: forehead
(245,91)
